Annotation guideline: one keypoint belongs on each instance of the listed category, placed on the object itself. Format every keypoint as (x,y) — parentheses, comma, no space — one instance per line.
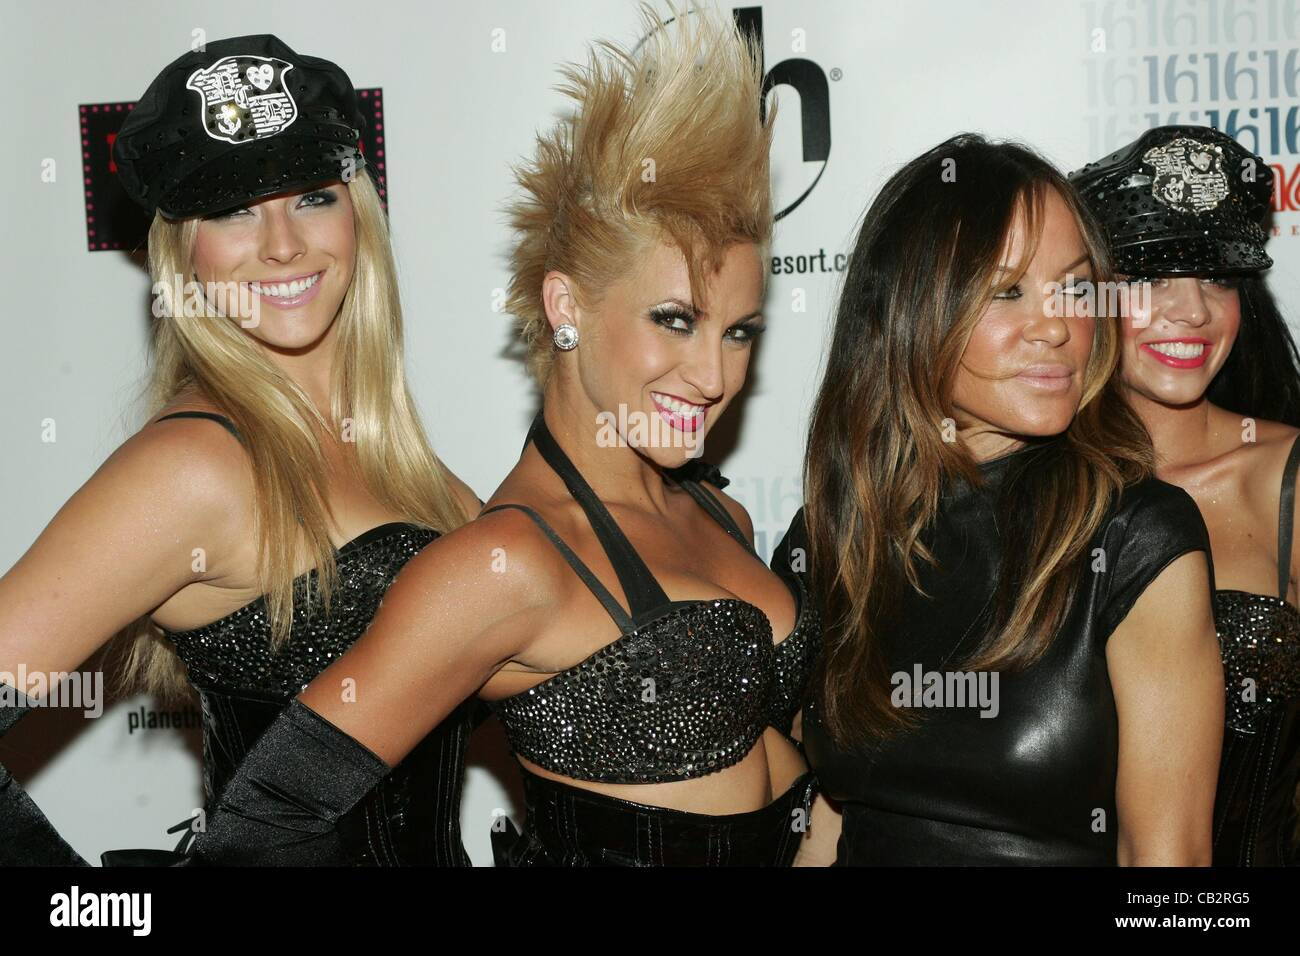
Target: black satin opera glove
(283,803)
(27,838)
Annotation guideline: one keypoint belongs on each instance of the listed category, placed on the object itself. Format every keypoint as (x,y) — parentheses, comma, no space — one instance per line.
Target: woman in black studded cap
(251,528)
(645,663)
(1211,369)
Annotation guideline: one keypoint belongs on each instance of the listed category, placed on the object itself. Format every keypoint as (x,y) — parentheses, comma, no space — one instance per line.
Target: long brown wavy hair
(919,279)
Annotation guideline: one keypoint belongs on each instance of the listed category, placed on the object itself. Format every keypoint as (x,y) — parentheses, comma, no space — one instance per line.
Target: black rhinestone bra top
(685,695)
(1259,634)
(234,654)
(686,689)
(1259,637)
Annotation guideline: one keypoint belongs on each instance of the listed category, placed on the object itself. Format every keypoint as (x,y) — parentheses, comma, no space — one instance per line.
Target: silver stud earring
(566,337)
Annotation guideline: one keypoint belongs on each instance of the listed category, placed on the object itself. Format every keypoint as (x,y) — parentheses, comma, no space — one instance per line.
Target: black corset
(413,816)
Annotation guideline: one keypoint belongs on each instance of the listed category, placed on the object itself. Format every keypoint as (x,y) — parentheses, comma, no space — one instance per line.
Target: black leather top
(1036,783)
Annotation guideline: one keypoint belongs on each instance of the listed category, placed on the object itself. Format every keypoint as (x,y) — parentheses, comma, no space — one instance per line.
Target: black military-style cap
(1181,200)
(245,117)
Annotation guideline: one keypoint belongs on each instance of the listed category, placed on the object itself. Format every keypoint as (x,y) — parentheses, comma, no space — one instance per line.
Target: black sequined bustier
(685,694)
(413,816)
(686,689)
(1255,818)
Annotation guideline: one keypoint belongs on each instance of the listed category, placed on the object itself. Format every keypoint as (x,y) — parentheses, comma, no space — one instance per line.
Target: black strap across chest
(1286,519)
(644,595)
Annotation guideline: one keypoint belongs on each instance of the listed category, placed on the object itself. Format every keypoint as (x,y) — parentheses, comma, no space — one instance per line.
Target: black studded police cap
(244,118)
(1181,200)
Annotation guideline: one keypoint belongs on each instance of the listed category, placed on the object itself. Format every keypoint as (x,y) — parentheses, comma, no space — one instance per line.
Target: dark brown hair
(919,279)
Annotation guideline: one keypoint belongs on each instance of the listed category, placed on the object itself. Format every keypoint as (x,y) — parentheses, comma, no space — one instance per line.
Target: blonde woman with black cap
(645,663)
(285,450)
(1211,369)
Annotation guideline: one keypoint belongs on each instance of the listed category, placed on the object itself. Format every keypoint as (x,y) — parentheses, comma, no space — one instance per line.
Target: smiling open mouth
(680,414)
(286,290)
(1185,354)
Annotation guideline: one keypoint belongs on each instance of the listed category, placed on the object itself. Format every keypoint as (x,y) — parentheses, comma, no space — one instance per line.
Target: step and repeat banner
(453,94)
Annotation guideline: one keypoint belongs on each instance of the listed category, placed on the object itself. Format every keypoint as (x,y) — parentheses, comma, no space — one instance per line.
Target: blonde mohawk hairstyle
(666,144)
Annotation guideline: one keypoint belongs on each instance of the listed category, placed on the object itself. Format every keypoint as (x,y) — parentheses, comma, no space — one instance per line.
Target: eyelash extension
(665,315)
(327,199)
(1078,289)
(752,332)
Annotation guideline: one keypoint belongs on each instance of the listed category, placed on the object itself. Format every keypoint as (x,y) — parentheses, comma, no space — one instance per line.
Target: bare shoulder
(1281,437)
(193,460)
(503,553)
(1268,452)
(124,542)
(734,508)
(493,579)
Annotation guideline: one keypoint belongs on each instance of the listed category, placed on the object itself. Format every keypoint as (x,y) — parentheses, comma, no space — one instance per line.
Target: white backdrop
(465,87)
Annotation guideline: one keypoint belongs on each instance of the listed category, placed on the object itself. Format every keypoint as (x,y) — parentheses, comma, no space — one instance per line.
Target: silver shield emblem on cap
(1189,174)
(244,97)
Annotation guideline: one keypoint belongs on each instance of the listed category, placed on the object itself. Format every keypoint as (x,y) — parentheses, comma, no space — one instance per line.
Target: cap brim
(258,169)
(1191,255)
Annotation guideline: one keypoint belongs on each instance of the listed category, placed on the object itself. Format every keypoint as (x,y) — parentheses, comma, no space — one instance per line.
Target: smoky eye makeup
(317,197)
(674,317)
(224,214)
(749,330)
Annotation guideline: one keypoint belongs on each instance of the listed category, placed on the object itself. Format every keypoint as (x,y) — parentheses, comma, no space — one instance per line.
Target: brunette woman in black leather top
(646,665)
(1211,368)
(1022,665)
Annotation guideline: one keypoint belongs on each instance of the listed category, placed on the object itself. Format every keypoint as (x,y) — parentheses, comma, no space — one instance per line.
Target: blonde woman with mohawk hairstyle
(251,527)
(663,737)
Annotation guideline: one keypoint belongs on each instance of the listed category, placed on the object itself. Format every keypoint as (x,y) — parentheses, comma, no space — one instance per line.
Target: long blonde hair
(281,428)
(666,143)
